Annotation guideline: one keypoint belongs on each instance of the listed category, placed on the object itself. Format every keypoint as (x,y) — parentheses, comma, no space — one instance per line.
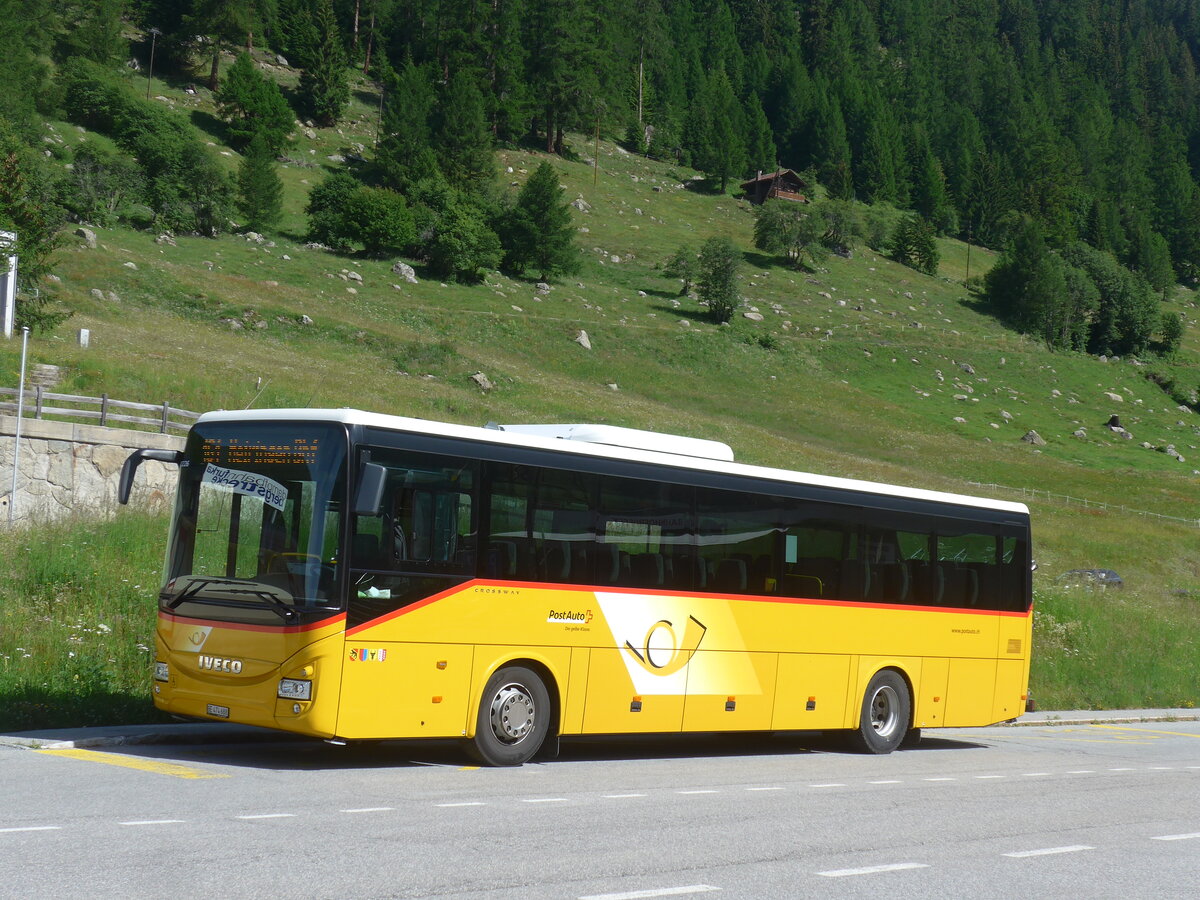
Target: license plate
(221,712)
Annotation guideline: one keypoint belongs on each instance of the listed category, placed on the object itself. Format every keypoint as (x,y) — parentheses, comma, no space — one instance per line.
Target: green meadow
(862,368)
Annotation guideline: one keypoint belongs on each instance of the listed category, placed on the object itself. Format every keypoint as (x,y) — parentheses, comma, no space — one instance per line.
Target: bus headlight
(162,672)
(295,689)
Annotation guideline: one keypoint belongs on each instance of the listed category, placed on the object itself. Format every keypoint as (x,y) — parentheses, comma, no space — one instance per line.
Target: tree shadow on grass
(699,315)
(707,186)
(761,260)
(210,125)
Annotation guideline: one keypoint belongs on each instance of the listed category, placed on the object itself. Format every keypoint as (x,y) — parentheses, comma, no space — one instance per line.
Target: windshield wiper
(287,613)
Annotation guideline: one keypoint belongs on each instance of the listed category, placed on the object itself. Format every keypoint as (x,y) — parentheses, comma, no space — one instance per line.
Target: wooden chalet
(783,184)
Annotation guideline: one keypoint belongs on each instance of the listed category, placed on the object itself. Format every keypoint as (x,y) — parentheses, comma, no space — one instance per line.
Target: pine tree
(461,137)
(98,35)
(297,38)
(718,142)
(759,140)
(506,94)
(323,84)
(929,184)
(405,154)
(226,23)
(260,190)
(914,244)
(253,104)
(537,232)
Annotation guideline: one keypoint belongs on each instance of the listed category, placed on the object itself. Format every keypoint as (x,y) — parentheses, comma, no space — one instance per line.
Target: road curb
(143,735)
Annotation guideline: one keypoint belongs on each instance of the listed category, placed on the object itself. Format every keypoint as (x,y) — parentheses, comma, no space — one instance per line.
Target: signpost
(12,497)
(8,282)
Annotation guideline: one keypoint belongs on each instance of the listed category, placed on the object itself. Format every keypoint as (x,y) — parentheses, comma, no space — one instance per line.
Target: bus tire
(513,718)
(885,715)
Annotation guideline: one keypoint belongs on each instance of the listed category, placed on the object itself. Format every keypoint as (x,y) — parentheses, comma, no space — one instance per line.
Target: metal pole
(154,33)
(12,498)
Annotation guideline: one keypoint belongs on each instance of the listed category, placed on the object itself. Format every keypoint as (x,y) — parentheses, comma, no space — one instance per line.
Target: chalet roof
(787,174)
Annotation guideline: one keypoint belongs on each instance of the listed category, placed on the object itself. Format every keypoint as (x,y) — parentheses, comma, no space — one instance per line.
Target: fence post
(166,409)
(103,410)
(37,412)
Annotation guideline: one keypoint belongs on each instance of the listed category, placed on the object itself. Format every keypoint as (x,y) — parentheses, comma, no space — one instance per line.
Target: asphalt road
(1097,810)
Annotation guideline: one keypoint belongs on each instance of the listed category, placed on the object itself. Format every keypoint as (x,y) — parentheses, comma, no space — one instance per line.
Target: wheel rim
(885,715)
(513,713)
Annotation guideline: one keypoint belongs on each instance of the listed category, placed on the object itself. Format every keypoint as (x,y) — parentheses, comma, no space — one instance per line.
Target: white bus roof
(588,440)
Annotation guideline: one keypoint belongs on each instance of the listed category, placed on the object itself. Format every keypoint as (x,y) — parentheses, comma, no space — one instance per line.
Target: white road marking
(1049,851)
(1177,837)
(1034,774)
(269,816)
(941,779)
(872,870)
(1124,769)
(765,789)
(370,809)
(1162,768)
(654,892)
(32,828)
(621,796)
(1082,772)
(890,781)
(831,784)
(990,776)
(154,822)
(546,800)
(468,803)
(698,792)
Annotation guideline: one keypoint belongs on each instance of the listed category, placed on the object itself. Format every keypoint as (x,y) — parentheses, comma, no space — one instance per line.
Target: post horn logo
(663,652)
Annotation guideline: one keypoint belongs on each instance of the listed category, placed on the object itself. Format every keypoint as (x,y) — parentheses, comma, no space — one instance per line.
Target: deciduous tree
(717,283)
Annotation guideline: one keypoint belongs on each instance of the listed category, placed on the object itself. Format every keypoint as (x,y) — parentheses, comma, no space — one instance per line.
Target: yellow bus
(349,575)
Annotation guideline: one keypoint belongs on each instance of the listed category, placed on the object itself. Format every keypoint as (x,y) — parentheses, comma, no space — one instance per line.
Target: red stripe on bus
(244,626)
(659,592)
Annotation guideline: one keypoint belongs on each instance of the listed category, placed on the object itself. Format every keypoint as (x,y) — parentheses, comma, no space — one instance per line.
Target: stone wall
(67,469)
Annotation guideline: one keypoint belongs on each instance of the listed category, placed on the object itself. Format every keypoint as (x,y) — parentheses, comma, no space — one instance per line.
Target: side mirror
(369,498)
(175,457)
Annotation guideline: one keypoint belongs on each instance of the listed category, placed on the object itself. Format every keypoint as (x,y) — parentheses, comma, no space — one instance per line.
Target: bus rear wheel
(513,718)
(885,714)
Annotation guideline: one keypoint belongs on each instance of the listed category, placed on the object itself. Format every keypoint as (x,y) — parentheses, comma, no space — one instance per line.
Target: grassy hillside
(864,369)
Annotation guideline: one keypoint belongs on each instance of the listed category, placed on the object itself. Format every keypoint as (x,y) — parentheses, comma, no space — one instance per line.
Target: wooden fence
(41,404)
(1087,504)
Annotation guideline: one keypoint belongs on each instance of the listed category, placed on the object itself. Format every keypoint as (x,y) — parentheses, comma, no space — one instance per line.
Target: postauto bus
(350,575)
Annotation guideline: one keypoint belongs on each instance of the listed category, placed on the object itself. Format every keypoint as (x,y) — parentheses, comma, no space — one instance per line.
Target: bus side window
(426,524)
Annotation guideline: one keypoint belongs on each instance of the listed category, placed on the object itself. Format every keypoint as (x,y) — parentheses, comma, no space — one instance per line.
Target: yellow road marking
(132,762)
(1148,731)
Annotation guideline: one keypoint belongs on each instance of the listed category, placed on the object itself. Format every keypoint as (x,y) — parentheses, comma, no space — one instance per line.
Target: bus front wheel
(513,718)
(885,714)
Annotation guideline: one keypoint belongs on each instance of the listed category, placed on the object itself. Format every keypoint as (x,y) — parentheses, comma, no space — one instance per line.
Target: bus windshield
(257,522)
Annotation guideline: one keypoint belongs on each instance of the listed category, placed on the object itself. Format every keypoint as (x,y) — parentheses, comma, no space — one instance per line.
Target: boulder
(484,383)
(582,340)
(405,271)
(1032,437)
(89,237)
